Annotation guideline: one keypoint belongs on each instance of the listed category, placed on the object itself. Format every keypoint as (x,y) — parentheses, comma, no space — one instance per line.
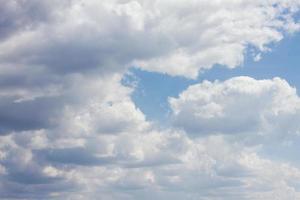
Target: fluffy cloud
(45,46)
(238,105)
(168,165)
(173,37)
(70,130)
(82,158)
(218,34)
(43,158)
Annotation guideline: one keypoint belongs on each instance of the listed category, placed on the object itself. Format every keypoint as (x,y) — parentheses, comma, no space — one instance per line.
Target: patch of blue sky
(153,89)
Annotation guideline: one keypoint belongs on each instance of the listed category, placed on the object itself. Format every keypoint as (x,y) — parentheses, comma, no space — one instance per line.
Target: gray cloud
(29,115)
(18,16)
(76,156)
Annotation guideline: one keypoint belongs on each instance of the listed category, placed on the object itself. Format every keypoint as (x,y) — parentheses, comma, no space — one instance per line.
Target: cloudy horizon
(149,99)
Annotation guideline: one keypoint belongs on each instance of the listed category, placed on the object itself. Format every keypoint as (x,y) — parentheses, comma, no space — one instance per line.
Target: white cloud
(173,37)
(70,130)
(140,163)
(238,105)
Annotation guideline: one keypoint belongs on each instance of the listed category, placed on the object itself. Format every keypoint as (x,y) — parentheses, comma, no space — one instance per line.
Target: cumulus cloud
(70,130)
(78,159)
(173,37)
(238,105)
(45,44)
(182,167)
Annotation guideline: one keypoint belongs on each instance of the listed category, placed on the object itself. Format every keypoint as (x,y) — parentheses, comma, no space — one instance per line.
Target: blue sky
(282,61)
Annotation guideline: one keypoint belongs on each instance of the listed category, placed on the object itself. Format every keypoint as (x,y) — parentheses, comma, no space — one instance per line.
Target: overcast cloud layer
(70,130)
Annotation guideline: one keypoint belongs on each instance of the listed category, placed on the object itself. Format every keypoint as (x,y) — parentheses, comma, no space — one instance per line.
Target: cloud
(170,37)
(238,105)
(208,33)
(46,45)
(72,162)
(18,16)
(70,130)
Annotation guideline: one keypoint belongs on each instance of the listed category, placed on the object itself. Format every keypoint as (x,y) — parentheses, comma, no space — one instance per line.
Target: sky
(282,61)
(149,99)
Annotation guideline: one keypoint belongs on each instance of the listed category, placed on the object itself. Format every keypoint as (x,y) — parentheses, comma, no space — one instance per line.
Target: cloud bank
(70,130)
